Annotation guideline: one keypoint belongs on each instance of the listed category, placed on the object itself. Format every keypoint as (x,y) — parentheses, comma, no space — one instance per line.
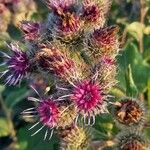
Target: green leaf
(36,142)
(2,88)
(14,32)
(4,129)
(146,48)
(3,38)
(140,68)
(131,87)
(16,95)
(117,92)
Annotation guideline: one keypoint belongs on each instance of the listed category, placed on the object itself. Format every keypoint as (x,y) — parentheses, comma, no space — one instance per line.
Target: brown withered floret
(129,112)
(133,145)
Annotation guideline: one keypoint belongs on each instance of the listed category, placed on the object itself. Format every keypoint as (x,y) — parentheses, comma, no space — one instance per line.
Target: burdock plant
(76,50)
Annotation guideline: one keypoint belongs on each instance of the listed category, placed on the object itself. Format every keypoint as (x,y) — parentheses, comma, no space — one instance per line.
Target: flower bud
(103,41)
(67,24)
(94,12)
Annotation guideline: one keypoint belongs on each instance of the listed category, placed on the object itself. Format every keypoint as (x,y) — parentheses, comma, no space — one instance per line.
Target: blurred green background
(133,18)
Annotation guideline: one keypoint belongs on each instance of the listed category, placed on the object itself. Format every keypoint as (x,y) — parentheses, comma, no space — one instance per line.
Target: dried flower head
(17,65)
(131,140)
(76,139)
(31,30)
(130,113)
(104,41)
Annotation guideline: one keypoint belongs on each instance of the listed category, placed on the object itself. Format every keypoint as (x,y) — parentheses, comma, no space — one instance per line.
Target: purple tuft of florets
(48,113)
(17,65)
(87,96)
(31,30)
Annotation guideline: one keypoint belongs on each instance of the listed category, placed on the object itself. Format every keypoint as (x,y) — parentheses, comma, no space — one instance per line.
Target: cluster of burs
(74,54)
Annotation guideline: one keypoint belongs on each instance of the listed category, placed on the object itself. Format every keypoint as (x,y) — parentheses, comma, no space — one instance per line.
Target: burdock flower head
(94,12)
(67,24)
(57,61)
(131,140)
(104,41)
(17,65)
(31,30)
(129,112)
(89,99)
(47,114)
(50,114)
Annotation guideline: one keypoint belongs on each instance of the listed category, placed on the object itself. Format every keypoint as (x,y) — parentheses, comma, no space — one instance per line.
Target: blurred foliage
(133,77)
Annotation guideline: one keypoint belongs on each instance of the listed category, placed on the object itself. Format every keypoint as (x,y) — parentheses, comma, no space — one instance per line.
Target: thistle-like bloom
(31,30)
(87,95)
(129,113)
(76,138)
(48,113)
(68,23)
(89,99)
(94,13)
(18,65)
(131,140)
(104,41)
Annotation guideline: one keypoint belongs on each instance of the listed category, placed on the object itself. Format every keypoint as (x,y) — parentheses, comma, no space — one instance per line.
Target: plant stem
(143,12)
